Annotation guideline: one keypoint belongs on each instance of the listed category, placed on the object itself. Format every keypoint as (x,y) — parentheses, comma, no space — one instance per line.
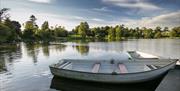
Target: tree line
(10,31)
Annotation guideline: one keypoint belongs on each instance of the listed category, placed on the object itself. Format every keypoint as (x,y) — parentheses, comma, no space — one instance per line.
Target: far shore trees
(10,31)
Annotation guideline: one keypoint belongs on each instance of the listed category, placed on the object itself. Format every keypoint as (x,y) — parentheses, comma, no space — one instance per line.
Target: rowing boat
(137,68)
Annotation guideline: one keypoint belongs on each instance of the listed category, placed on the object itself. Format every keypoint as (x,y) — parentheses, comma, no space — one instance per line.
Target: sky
(69,13)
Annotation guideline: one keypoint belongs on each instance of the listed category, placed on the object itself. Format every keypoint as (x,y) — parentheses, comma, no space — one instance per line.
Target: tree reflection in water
(33,50)
(82,49)
(9,53)
(45,49)
(2,64)
(60,47)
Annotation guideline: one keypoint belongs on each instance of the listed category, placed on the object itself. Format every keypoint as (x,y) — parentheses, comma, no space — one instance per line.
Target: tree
(118,32)
(33,19)
(44,33)
(157,32)
(83,29)
(45,26)
(60,32)
(87,30)
(166,29)
(111,33)
(147,33)
(30,28)
(11,24)
(175,32)
(17,27)
(157,35)
(3,14)
(75,31)
(5,33)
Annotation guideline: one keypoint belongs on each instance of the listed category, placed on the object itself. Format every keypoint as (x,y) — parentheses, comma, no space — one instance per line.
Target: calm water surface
(27,65)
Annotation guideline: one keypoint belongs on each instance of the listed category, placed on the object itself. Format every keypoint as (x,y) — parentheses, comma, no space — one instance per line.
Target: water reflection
(45,49)
(60,47)
(2,64)
(82,49)
(64,84)
(33,50)
(9,53)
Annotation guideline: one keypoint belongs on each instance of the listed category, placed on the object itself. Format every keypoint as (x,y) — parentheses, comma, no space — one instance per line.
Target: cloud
(79,18)
(40,1)
(169,19)
(104,9)
(164,20)
(97,19)
(141,4)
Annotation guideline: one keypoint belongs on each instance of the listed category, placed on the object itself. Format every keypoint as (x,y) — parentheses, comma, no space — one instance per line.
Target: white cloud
(104,9)
(164,20)
(141,4)
(79,18)
(97,19)
(40,1)
(169,19)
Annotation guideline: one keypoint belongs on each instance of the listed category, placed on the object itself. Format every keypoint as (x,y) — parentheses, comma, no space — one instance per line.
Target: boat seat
(122,68)
(64,64)
(96,68)
(152,67)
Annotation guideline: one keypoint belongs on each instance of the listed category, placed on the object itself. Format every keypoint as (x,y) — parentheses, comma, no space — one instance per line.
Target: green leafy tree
(75,31)
(147,33)
(30,28)
(175,32)
(13,37)
(60,32)
(44,33)
(111,33)
(118,32)
(45,26)
(5,33)
(157,35)
(17,27)
(157,32)
(83,29)
(166,29)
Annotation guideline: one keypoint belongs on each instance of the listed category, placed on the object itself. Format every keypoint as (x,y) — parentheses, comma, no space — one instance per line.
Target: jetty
(171,82)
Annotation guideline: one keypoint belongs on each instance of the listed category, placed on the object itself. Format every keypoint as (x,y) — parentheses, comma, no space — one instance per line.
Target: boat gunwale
(174,62)
(138,52)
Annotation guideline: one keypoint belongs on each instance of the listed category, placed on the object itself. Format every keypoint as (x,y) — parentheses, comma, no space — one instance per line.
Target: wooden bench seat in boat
(152,67)
(64,64)
(122,68)
(96,68)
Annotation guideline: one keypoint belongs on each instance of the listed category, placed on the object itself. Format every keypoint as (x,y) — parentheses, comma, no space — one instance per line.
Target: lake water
(27,65)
